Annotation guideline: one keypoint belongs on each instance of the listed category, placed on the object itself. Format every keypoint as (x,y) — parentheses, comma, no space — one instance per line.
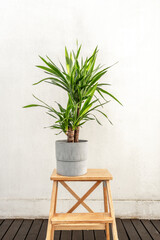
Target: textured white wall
(125,31)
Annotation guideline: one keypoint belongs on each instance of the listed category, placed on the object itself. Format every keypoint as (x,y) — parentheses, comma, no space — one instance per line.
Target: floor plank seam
(94,235)
(39,230)
(18,229)
(7,229)
(146,229)
(1,222)
(82,234)
(155,226)
(136,229)
(71,234)
(60,234)
(125,229)
(29,230)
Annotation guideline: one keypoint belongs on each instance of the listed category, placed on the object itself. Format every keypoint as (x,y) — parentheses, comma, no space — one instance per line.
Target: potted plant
(80,79)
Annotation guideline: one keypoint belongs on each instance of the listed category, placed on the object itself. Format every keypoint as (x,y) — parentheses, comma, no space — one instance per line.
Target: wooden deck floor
(128,229)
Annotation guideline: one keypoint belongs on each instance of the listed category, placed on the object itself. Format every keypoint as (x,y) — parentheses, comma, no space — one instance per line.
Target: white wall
(125,31)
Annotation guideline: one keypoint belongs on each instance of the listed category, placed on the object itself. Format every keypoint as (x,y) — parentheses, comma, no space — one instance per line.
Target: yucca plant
(86,94)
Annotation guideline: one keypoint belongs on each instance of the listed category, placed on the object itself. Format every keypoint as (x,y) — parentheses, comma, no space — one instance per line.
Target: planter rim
(65,141)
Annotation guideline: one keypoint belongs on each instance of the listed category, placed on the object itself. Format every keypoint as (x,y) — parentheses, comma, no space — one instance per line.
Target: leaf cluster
(81,80)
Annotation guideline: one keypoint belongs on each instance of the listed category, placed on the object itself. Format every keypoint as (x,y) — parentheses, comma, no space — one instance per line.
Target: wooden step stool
(83,221)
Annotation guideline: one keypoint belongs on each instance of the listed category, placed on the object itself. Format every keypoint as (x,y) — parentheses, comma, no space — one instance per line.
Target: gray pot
(71,157)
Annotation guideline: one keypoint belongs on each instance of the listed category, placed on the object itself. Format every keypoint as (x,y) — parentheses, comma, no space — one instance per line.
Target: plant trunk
(70,135)
(76,132)
(76,135)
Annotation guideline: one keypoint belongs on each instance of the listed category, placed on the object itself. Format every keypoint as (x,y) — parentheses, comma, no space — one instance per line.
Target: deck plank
(11,233)
(131,231)
(77,235)
(42,232)
(121,230)
(88,235)
(5,226)
(99,234)
(34,230)
(156,223)
(151,229)
(24,229)
(57,234)
(66,235)
(141,229)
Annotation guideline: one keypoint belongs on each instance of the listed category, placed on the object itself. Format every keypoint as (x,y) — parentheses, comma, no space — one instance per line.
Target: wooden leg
(52,233)
(106,209)
(114,228)
(50,228)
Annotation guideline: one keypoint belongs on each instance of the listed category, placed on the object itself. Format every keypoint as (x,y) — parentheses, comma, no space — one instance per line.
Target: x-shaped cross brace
(80,200)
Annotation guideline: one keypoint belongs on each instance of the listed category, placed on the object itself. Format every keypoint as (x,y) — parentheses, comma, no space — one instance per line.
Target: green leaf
(67,61)
(55,126)
(54,68)
(41,81)
(58,133)
(86,105)
(78,52)
(62,67)
(60,107)
(32,105)
(101,94)
(57,84)
(105,116)
(46,69)
(103,84)
(97,76)
(51,115)
(112,65)
(104,91)
(98,100)
(40,101)
(97,120)
(97,106)
(71,62)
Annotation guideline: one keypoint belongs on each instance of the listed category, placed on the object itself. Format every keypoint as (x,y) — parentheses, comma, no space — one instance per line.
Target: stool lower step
(61,218)
(80,226)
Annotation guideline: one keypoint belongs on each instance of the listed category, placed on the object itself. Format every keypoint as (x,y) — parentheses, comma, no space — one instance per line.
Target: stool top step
(91,175)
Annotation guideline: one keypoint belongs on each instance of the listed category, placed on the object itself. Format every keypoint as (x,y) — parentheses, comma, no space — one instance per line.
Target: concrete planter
(71,158)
